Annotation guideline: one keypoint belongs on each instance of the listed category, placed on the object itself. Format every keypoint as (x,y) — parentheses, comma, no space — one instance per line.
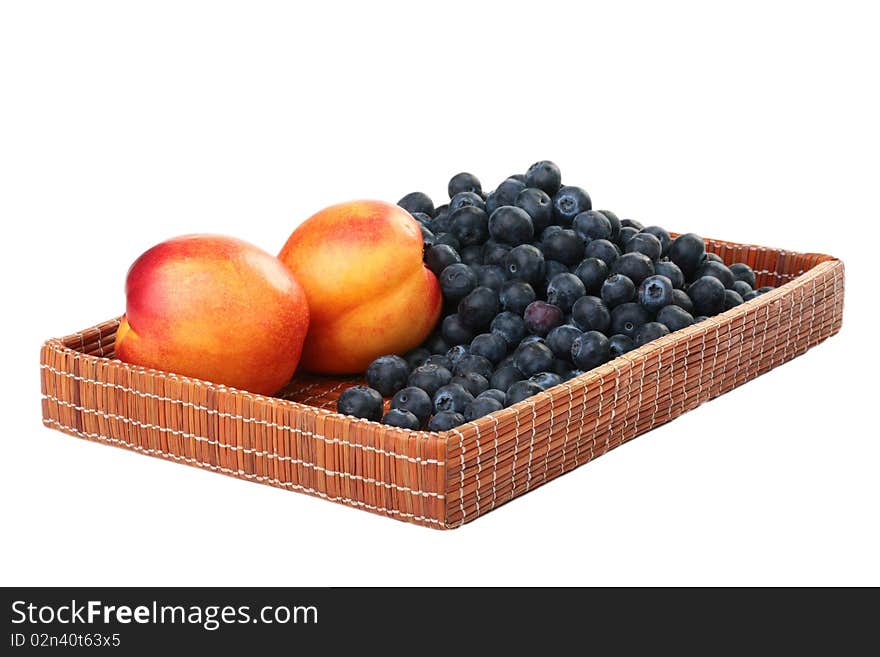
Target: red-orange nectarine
(215,308)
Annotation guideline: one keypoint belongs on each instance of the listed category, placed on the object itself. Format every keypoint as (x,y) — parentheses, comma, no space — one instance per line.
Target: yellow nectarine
(360,264)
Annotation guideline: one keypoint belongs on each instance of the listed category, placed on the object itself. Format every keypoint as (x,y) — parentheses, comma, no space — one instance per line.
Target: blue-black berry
(360,401)
(452,397)
(544,175)
(399,418)
(429,378)
(387,374)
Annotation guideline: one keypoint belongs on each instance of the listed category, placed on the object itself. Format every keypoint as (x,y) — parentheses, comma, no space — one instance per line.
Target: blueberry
(566,373)
(687,252)
(602,250)
(440,225)
(480,407)
(662,235)
(544,175)
(436,344)
(631,223)
(473,363)
(457,352)
(559,340)
(538,206)
(765,289)
(492,393)
(700,318)
(360,401)
(429,378)
(635,266)
(490,345)
(452,397)
(525,263)
(564,289)
(625,234)
(568,203)
(742,272)
(472,382)
(731,299)
(649,332)
(417,357)
(510,327)
(470,225)
(479,307)
(417,202)
(682,300)
(521,390)
(440,210)
(415,400)
(564,246)
(590,350)
(628,318)
(507,191)
(463,182)
(463,199)
(387,374)
(532,357)
(617,289)
(439,257)
(506,376)
(741,287)
(645,243)
(491,202)
(707,294)
(615,223)
(675,318)
(548,231)
(717,270)
(619,344)
(655,292)
(546,380)
(448,239)
(671,271)
(423,219)
(445,420)
(748,296)
(592,225)
(591,314)
(495,253)
(472,254)
(455,331)
(507,361)
(592,273)
(714,257)
(551,269)
(541,317)
(529,339)
(441,360)
(511,225)
(457,281)
(427,236)
(399,418)
(516,295)
(490,276)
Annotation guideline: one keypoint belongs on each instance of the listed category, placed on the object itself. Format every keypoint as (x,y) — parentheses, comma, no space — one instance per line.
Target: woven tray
(442,480)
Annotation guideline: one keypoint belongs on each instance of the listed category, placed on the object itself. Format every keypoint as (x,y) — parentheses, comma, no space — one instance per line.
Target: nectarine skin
(360,264)
(214,308)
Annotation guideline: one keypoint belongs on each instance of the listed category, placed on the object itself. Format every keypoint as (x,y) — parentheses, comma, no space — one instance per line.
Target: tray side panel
(506,454)
(392,472)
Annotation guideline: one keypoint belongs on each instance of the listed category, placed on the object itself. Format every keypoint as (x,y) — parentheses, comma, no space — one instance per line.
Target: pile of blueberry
(538,288)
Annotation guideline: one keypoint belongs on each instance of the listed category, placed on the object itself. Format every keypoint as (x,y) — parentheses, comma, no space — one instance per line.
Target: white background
(122,124)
